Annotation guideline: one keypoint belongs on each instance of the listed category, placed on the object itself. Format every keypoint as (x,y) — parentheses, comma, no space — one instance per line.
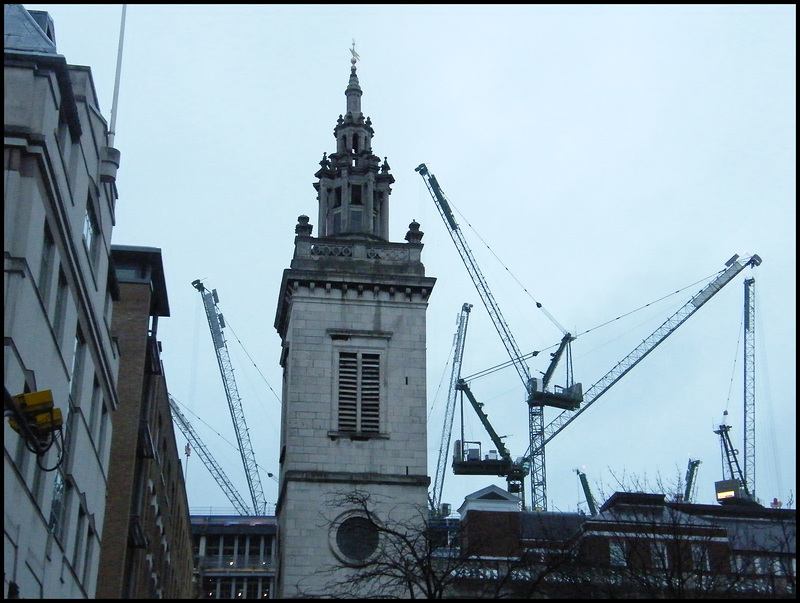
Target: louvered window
(359,392)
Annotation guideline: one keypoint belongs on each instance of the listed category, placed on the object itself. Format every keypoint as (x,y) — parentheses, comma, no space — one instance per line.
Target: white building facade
(59,195)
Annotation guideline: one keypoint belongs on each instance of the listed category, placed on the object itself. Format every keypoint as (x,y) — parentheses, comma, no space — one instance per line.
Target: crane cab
(566,398)
(468,460)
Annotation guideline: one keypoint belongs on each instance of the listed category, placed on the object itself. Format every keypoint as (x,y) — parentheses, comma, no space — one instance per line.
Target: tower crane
(467,459)
(208,460)
(750,384)
(733,487)
(571,399)
(738,485)
(216,323)
(732,267)
(435,495)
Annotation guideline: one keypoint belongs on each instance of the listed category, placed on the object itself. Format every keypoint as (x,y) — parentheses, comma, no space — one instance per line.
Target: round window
(357,538)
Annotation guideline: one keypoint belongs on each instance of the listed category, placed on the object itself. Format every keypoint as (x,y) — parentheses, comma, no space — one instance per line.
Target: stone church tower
(351,316)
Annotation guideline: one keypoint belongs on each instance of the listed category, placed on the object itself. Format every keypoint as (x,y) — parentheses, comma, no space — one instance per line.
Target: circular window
(356,539)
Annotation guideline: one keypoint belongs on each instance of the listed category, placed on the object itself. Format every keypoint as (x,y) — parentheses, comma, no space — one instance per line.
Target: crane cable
(222,437)
(538,304)
(508,363)
(228,324)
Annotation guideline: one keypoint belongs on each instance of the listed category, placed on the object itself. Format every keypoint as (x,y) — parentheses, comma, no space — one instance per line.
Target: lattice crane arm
(216,323)
(749,476)
(535,406)
(435,496)
(477,276)
(733,267)
(208,460)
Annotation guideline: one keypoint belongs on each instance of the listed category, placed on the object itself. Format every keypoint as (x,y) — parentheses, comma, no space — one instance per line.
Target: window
(91,231)
(88,554)
(355,220)
(700,560)
(94,410)
(80,532)
(355,195)
(212,549)
(254,551)
(62,492)
(354,538)
(105,422)
(617,554)
(359,392)
(46,267)
(357,538)
(79,353)
(658,554)
(61,305)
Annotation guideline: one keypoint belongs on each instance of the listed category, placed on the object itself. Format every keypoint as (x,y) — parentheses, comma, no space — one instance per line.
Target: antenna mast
(112,130)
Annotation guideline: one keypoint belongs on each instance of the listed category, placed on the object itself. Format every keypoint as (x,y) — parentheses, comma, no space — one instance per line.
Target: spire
(353,92)
(353,187)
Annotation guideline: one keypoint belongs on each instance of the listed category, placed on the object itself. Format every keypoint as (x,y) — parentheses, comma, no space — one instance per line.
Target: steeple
(353,185)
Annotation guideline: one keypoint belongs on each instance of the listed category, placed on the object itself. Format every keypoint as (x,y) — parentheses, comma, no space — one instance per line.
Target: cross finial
(354,53)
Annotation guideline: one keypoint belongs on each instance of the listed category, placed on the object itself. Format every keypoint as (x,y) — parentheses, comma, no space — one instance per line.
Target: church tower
(351,317)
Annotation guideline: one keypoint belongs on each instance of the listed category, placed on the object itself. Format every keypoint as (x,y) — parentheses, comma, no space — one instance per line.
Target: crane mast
(536,403)
(216,323)
(750,384)
(208,460)
(435,496)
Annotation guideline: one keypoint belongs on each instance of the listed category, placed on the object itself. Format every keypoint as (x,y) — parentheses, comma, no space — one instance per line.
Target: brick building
(146,549)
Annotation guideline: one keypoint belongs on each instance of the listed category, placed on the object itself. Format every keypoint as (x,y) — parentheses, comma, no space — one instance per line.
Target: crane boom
(208,460)
(733,267)
(514,472)
(216,323)
(535,406)
(587,492)
(691,475)
(475,272)
(733,487)
(435,496)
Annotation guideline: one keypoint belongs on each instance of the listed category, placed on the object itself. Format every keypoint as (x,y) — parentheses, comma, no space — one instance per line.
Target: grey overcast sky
(599,158)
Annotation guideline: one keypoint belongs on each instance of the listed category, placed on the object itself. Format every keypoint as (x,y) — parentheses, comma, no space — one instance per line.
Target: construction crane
(691,480)
(469,460)
(572,400)
(733,487)
(738,485)
(435,495)
(732,268)
(750,384)
(208,460)
(569,397)
(587,492)
(216,323)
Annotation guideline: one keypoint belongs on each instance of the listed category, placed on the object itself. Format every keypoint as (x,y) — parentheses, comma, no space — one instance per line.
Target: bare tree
(639,545)
(434,558)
